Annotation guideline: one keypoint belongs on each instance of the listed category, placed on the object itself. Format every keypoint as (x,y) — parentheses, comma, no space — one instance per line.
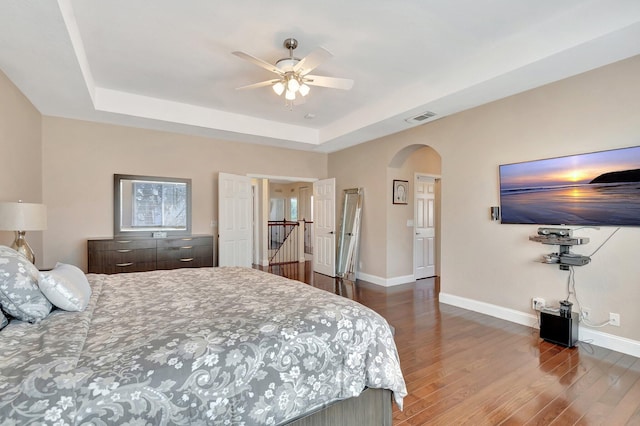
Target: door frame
(261,207)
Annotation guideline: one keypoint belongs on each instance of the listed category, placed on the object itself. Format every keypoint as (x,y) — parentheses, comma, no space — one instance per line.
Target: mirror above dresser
(144,205)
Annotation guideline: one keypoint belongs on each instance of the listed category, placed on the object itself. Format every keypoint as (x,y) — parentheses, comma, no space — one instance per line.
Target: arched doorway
(414,229)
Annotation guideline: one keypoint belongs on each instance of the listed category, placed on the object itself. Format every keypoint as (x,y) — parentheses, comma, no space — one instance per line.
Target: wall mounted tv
(596,189)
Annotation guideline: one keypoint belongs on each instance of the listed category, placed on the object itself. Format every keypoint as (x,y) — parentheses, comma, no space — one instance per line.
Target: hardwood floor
(463,367)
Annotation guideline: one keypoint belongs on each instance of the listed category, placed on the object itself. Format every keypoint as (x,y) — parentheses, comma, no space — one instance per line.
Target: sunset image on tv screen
(599,188)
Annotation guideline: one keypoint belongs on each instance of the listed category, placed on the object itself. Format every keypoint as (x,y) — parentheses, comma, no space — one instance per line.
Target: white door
(324,227)
(425,229)
(234,220)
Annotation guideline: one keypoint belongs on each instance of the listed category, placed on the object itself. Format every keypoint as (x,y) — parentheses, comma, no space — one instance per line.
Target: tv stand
(563,238)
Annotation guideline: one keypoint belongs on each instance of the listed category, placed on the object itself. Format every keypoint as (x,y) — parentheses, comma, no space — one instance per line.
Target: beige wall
(364,166)
(21,159)
(489,262)
(80,159)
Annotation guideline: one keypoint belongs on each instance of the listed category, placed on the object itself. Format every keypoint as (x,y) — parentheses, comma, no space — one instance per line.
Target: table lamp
(21,217)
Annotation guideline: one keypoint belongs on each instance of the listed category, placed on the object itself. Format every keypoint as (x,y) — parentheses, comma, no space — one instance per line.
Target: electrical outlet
(586,313)
(537,303)
(614,319)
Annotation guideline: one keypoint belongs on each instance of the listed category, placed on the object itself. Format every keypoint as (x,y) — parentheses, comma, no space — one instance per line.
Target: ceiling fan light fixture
(290,96)
(278,88)
(293,73)
(292,84)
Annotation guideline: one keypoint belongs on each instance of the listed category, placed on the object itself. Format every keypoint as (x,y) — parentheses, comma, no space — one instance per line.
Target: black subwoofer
(558,329)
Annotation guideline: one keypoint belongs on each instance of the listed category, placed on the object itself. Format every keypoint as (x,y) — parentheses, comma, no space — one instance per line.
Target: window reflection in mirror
(146,204)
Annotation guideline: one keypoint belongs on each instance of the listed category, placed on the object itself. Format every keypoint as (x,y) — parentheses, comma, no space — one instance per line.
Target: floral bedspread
(194,346)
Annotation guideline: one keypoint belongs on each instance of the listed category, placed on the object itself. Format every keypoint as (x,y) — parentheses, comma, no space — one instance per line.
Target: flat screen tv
(594,189)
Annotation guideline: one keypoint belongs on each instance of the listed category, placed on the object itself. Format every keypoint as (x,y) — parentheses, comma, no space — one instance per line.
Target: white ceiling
(167,64)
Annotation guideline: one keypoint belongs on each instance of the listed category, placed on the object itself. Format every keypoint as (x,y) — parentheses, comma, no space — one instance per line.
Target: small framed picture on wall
(400,190)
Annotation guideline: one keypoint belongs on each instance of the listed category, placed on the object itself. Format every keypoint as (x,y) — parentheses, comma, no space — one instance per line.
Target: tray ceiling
(167,65)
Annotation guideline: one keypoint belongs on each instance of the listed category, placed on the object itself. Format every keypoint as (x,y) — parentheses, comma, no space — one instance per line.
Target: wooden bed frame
(372,407)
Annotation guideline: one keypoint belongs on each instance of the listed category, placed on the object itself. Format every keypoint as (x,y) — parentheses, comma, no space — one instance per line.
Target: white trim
(511,315)
(282,178)
(255,221)
(429,175)
(610,341)
(385,282)
(70,22)
(587,335)
(140,106)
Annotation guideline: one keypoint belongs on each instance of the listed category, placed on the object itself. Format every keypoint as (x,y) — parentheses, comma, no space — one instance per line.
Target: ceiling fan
(293,73)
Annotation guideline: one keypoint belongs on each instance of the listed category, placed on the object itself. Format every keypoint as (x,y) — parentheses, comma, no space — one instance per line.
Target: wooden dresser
(111,256)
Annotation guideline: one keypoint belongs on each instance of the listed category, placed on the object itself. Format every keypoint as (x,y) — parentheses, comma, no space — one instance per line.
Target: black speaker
(558,329)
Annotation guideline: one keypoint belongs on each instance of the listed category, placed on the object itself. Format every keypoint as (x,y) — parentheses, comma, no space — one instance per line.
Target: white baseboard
(588,335)
(610,341)
(508,314)
(384,282)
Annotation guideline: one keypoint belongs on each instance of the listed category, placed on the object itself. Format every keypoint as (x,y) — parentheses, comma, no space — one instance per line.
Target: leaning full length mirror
(147,204)
(348,237)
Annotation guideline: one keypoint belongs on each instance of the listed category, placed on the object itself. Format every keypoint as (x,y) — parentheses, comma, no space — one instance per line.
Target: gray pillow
(20,296)
(3,321)
(66,286)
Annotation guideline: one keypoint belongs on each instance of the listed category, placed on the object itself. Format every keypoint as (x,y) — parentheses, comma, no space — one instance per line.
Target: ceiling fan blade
(259,62)
(261,84)
(332,82)
(312,60)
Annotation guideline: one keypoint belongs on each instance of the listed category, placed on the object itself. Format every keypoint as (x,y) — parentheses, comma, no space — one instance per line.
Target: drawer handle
(186,260)
(124,264)
(186,247)
(187,239)
(123,241)
(124,250)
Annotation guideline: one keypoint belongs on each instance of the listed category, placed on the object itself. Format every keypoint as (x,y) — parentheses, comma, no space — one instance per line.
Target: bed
(200,346)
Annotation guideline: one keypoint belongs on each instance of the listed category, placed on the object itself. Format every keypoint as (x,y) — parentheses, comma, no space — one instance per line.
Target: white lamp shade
(290,96)
(278,88)
(292,85)
(304,90)
(23,217)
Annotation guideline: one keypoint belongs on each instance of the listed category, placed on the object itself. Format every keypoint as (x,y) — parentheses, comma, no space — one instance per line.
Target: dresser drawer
(195,256)
(123,260)
(121,244)
(185,242)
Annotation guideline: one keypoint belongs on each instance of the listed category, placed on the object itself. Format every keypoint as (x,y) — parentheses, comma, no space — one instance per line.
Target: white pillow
(66,286)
